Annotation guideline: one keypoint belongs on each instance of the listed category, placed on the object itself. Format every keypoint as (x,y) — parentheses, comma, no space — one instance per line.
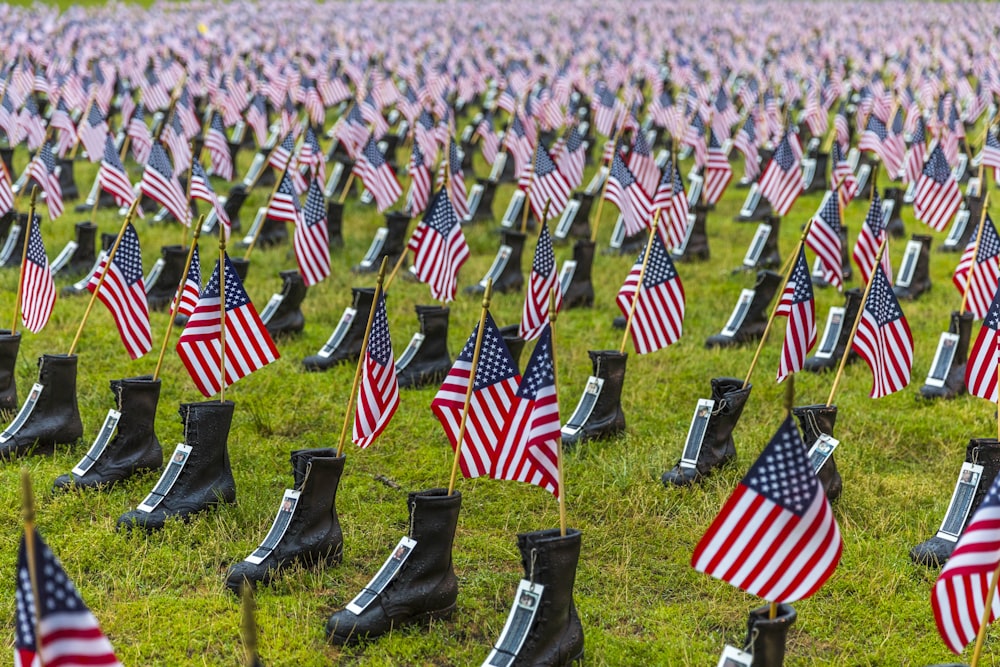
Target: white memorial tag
(167,479)
(586,405)
(888,205)
(382,578)
(472,203)
(271,308)
(212,218)
(680,250)
(81,284)
(909,264)
(618,233)
(853,155)
(278,528)
(567,218)
(961,502)
(100,443)
(957,228)
(375,248)
(597,182)
(864,171)
(499,264)
(739,313)
(972,188)
(808,171)
(963,164)
(757,245)
(910,194)
(734,657)
(333,181)
(62,259)
(821,450)
(23,414)
(154,274)
(750,203)
(696,432)
(498,166)
(834,324)
(510,216)
(695,183)
(13,235)
(338,333)
(943,357)
(255,168)
(566,274)
(818,270)
(519,622)
(410,351)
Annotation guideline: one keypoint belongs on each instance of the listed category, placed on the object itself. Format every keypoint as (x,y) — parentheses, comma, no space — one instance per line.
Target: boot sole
(423,619)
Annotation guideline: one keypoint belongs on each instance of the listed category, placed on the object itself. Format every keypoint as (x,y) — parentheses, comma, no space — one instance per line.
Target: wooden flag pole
(248,626)
(472,383)
(987,608)
(559,453)
(24,255)
(789,403)
(854,330)
(104,273)
(222,318)
(361,358)
(975,252)
(787,273)
(638,284)
(274,190)
(177,296)
(604,188)
(28,514)
(395,269)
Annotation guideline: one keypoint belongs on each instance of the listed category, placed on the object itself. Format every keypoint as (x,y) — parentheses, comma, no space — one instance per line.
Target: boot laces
(305,477)
(752,640)
(531,570)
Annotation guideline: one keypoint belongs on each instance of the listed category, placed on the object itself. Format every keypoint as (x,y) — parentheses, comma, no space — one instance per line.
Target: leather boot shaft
(954,382)
(767,636)
(67,182)
(697,245)
(55,419)
(349,349)
(234,202)
(580,293)
(852,306)
(431,362)
(288,318)
(921,277)
(755,321)
(335,224)
(164,288)
(816,420)
(580,228)
(895,224)
(515,344)
(84,257)
(393,245)
(607,419)
(511,278)
(9,344)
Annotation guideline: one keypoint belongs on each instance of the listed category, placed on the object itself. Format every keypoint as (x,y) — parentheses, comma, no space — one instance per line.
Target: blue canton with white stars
(25,602)
(286,188)
(937,166)
(373,155)
(545,258)
(831,212)
(540,372)
(94,116)
(989,244)
(441,214)
(783,155)
(782,473)
(36,250)
(236,296)
(877,127)
(874,218)
(803,290)
(574,141)
(620,172)
(159,162)
(315,210)
(495,362)
(128,258)
(882,303)
(543,161)
(45,155)
(197,171)
(379,344)
(660,267)
(111,155)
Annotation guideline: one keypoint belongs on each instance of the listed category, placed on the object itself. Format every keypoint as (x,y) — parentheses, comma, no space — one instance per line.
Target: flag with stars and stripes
(798,306)
(776,537)
(201,188)
(377,175)
(160,184)
(378,394)
(38,292)
(420,181)
(842,176)
(218,148)
(718,173)
(572,158)
(493,389)
(139,136)
(456,179)
(659,310)
(781,183)
(824,239)
(256,117)
(547,184)
(190,290)
(92,131)
(528,449)
(937,196)
(642,164)
(869,239)
(43,170)
(6,191)
(124,294)
(960,592)
(248,345)
(311,238)
(915,157)
(981,370)
(991,154)
(883,338)
(672,201)
(67,631)
(542,281)
(985,275)
(284,205)
(439,248)
(745,142)
(112,176)
(625,192)
(489,142)
(311,155)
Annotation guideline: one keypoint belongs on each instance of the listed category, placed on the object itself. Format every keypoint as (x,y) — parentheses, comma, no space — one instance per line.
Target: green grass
(161,598)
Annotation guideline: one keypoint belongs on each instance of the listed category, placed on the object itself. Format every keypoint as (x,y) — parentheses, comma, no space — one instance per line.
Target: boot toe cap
(345,627)
(137,519)
(933,552)
(680,476)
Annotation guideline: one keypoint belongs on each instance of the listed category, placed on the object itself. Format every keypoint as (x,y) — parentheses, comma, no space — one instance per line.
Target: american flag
(112,176)
(489,143)
(6,191)
(571,159)
(528,449)
(842,176)
(439,248)
(985,275)
(798,306)
(547,185)
(282,153)
(841,127)
(311,238)
(694,136)
(456,179)
(883,338)
(493,390)
(607,108)
(824,239)
(31,122)
(776,537)
(124,294)
(201,188)
(191,289)
(745,142)
(377,175)
(38,289)
(92,132)
(542,281)
(173,138)
(937,196)
(43,170)
(781,183)
(139,136)
(991,153)
(423,134)
(875,138)
(718,173)
(218,148)
(61,122)
(517,143)
(894,146)
(659,310)
(256,117)
(960,592)
(869,239)
(378,394)
(672,201)
(161,185)
(420,181)
(284,205)
(68,633)
(248,345)
(642,164)
(627,194)
(311,155)
(981,371)
(352,131)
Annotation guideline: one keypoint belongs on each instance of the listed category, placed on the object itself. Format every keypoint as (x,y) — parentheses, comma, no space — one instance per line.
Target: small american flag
(43,170)
(642,164)
(798,306)
(694,136)
(672,201)
(284,205)
(518,144)
(627,194)
(842,176)
(781,183)
(456,179)
(311,238)
(869,239)
(68,633)
(824,239)
(883,338)
(959,595)
(218,148)
(489,143)
(256,117)
(991,153)
(376,173)
(201,188)
(659,311)
(718,173)
(248,345)
(92,132)
(776,537)
(139,136)
(745,142)
(420,181)
(112,176)
(937,196)
(191,289)
(124,294)
(571,159)
(161,185)
(439,248)
(312,156)
(493,390)
(528,449)
(547,185)
(985,275)
(39,291)
(378,395)
(981,371)
(6,192)
(541,282)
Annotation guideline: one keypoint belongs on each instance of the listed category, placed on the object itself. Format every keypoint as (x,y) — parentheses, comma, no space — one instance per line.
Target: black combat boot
(512,336)
(770,258)
(312,533)
(272,233)
(935,551)
(348,347)
(717,447)
(511,278)
(580,292)
(818,183)
(755,321)
(204,481)
(766,636)
(697,245)
(134,449)
(17,247)
(607,418)
(555,637)
(234,202)
(55,417)
(816,420)
(580,229)
(393,245)
(484,210)
(895,224)
(852,306)
(9,344)
(288,318)
(425,587)
(70,191)
(83,257)
(431,361)
(161,292)
(920,281)
(954,383)
(335,224)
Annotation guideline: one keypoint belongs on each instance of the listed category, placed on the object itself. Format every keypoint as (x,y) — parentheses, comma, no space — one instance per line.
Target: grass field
(161,598)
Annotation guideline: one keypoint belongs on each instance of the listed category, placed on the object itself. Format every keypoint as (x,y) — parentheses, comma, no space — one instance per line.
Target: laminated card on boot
(943,357)
(757,244)
(585,407)
(100,443)
(961,502)
(23,414)
(278,527)
(382,578)
(167,479)
(739,313)
(831,334)
(339,332)
(519,622)
(696,432)
(822,450)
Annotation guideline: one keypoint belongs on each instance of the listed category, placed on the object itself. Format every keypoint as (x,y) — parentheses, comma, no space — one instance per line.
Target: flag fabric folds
(161,185)
(798,306)
(985,275)
(883,338)
(781,183)
(625,192)
(124,294)
(38,294)
(311,238)
(439,248)
(542,281)
(659,311)
(824,239)
(191,290)
(981,370)
(378,393)
(43,170)
(869,239)
(672,201)
(937,196)
(112,175)
(377,175)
